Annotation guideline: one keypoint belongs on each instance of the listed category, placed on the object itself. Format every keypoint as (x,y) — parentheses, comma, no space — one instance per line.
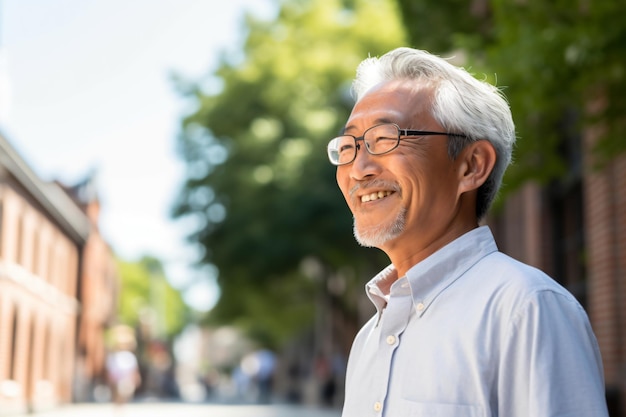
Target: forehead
(403,102)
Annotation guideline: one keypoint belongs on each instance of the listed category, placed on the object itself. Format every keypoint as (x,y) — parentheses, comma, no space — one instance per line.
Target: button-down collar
(431,276)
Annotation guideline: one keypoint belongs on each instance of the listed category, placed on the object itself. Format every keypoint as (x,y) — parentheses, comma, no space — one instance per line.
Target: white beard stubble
(376,236)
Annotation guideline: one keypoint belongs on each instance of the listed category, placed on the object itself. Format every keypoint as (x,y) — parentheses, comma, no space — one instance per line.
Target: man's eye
(345,144)
(383,142)
(346,148)
(385,138)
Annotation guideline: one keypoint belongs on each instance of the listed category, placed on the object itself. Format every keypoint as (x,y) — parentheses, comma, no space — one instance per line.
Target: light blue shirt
(471,332)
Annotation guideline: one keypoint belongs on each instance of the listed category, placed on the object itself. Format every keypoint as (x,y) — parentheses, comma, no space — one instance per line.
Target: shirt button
(391,339)
(378,406)
(419,306)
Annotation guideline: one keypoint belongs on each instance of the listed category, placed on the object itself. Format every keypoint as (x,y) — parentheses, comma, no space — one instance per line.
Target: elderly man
(461,329)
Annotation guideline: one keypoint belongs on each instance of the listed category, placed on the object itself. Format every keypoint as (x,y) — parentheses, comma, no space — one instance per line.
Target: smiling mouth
(376,196)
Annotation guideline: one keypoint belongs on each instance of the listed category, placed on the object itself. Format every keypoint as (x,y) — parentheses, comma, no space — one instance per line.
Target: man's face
(408,196)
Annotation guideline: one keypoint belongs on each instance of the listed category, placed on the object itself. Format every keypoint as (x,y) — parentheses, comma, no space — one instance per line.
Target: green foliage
(439,26)
(134,290)
(561,64)
(567,56)
(258,181)
(145,292)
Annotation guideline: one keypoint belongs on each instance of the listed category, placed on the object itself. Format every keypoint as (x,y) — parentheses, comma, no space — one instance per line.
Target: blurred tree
(146,294)
(440,26)
(555,59)
(259,185)
(567,56)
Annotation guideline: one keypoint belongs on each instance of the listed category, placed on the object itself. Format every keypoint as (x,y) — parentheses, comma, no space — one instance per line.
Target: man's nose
(364,165)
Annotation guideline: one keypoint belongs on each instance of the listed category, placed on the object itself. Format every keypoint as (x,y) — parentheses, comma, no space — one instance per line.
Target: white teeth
(374,196)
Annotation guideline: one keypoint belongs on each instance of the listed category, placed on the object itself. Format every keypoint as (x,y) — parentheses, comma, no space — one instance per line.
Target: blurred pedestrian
(122,366)
(259,367)
(461,329)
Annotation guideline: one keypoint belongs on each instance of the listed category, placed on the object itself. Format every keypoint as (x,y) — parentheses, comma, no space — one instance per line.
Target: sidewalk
(184,410)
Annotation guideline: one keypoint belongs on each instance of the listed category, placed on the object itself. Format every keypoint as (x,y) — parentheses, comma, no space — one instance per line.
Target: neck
(407,253)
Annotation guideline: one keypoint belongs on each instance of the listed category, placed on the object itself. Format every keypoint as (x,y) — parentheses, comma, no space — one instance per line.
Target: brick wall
(38,311)
(605,223)
(58,289)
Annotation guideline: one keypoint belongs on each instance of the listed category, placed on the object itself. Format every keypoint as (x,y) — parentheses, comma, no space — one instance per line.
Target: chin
(376,236)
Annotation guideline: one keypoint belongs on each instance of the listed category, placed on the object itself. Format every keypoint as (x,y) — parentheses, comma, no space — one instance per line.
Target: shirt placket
(392,324)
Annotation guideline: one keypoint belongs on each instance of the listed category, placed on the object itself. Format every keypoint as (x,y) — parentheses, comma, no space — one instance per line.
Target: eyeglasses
(378,140)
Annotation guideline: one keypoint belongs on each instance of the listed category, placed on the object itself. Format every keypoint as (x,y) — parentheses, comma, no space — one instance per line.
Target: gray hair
(462,104)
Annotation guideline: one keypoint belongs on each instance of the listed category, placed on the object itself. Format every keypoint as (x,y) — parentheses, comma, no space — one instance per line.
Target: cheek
(433,192)
(423,188)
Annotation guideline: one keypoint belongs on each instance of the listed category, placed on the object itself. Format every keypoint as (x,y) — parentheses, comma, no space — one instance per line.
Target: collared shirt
(471,332)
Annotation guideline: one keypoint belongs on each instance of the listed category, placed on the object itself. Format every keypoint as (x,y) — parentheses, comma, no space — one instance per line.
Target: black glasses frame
(401,132)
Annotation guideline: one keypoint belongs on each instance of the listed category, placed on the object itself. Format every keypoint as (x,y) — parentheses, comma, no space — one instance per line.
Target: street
(156,409)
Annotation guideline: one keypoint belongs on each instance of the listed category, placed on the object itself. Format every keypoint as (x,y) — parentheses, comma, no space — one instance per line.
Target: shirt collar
(378,288)
(430,277)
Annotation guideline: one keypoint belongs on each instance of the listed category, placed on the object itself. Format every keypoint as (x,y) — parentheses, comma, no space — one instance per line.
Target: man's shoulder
(512,276)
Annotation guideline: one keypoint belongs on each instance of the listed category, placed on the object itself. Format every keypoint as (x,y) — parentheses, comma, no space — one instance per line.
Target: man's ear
(476,162)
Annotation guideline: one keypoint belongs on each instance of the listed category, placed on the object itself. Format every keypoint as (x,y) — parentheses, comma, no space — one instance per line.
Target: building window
(13,351)
(45,363)
(35,260)
(19,238)
(1,225)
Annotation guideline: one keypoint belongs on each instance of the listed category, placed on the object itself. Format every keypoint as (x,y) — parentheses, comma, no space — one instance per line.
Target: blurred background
(165,191)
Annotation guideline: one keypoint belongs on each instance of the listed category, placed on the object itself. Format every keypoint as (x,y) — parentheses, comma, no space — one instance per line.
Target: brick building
(97,293)
(52,263)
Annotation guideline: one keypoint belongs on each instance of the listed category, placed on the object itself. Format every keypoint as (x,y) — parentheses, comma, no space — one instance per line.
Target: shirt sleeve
(550,361)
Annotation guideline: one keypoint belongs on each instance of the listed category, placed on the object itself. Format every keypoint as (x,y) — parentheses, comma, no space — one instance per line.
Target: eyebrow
(378,121)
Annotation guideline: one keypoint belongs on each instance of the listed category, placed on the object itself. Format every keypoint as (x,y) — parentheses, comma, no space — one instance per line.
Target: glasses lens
(382,138)
(342,150)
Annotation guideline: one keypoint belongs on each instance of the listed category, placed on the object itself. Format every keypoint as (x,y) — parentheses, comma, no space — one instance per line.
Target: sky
(85,85)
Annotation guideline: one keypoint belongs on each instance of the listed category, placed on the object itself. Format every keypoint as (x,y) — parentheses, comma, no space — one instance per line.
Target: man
(461,329)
